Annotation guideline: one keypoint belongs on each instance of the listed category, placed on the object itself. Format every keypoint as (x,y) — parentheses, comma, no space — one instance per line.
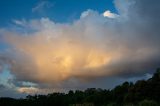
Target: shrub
(148,103)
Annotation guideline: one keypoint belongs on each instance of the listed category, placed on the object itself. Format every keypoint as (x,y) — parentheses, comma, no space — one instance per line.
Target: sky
(56,45)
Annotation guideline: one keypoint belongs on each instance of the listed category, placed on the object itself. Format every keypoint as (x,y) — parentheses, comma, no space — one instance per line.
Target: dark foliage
(142,93)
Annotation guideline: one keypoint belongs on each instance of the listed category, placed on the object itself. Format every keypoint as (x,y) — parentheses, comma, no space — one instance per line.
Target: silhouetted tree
(142,93)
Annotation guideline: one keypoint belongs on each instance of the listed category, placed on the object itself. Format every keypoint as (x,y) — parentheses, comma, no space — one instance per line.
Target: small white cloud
(109,14)
(28,90)
(41,6)
(148,75)
(35,90)
(22,22)
(87,13)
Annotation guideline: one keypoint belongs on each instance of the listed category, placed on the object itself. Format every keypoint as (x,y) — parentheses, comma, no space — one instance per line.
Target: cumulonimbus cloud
(93,46)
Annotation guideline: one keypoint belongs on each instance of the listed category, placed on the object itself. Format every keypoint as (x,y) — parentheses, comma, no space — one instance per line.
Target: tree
(142,93)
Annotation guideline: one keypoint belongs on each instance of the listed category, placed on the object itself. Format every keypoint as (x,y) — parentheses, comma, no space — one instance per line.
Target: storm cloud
(61,54)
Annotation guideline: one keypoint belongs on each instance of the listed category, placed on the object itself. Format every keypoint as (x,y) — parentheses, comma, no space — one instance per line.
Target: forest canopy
(140,93)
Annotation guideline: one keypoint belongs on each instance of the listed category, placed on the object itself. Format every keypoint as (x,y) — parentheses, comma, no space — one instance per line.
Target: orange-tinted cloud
(91,47)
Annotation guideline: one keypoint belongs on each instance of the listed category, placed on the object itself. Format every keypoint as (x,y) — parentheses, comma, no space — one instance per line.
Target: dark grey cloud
(2,86)
(9,92)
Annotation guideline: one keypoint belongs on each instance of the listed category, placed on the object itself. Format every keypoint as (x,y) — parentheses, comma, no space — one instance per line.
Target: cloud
(40,6)
(109,14)
(20,23)
(2,86)
(28,90)
(89,13)
(60,55)
(8,92)
(34,90)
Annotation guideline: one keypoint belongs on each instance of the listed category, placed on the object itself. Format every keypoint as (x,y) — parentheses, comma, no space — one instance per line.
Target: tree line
(140,93)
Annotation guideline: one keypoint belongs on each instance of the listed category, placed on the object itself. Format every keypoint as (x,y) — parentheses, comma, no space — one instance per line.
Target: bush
(148,103)
(112,104)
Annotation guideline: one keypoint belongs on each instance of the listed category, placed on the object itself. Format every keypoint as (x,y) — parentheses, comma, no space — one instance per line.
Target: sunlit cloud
(34,90)
(91,47)
(109,14)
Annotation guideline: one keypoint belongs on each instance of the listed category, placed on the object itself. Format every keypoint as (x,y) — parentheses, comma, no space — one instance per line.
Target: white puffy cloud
(109,14)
